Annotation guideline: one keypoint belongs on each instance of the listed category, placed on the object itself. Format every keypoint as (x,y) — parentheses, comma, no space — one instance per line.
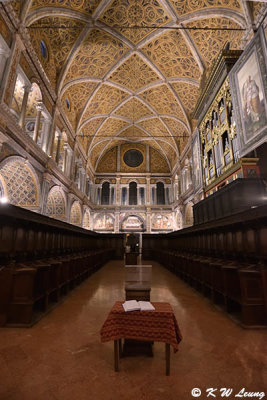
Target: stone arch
(86,219)
(20,182)
(125,226)
(56,203)
(188,215)
(75,213)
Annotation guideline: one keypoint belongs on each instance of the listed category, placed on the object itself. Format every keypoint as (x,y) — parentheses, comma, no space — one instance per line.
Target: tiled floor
(62,357)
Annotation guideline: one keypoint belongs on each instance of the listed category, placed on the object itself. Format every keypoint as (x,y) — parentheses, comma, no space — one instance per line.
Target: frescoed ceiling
(130,70)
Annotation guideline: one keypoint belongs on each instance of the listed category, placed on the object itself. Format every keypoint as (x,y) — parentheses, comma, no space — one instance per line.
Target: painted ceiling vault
(122,74)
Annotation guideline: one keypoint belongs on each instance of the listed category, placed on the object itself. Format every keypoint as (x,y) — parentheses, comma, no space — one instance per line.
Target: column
(148,221)
(117,196)
(46,130)
(50,141)
(117,221)
(39,108)
(65,156)
(58,148)
(22,116)
(147,190)
(45,189)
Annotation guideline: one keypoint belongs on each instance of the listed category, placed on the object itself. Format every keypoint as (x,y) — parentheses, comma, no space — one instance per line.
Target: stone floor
(62,358)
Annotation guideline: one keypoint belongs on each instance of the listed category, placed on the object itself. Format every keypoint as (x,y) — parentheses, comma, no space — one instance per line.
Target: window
(133,193)
(142,195)
(43,48)
(105,193)
(68,103)
(160,193)
(124,196)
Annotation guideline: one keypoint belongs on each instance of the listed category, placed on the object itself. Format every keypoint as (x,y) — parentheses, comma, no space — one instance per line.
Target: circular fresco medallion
(133,158)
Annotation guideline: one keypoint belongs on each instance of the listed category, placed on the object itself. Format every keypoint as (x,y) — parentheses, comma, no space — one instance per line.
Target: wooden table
(159,325)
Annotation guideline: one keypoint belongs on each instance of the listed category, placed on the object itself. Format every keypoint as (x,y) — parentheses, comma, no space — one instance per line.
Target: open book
(133,305)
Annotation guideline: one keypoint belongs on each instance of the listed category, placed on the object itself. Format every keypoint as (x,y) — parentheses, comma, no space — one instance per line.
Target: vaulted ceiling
(122,84)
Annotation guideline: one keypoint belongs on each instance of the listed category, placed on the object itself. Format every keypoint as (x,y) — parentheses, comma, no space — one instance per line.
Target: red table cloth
(159,325)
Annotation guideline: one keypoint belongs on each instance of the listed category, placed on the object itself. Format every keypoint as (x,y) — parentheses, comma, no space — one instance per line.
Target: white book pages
(146,306)
(131,305)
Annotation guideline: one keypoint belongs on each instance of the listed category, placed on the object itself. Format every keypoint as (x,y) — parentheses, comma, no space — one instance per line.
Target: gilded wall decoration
(55,206)
(133,133)
(76,95)
(169,151)
(20,184)
(109,129)
(183,90)
(26,67)
(172,56)
(178,130)
(256,7)
(75,214)
(83,6)
(104,101)
(155,127)
(134,73)
(16,5)
(121,14)
(108,162)
(157,162)
(129,146)
(187,6)
(98,52)
(211,42)
(5,32)
(133,109)
(89,129)
(58,41)
(163,101)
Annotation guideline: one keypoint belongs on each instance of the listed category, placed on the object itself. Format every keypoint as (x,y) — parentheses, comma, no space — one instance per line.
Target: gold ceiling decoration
(124,74)
(122,14)
(140,109)
(189,6)
(124,69)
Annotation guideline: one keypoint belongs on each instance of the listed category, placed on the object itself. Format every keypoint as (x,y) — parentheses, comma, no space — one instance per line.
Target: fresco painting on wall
(133,223)
(249,90)
(251,95)
(104,223)
(162,222)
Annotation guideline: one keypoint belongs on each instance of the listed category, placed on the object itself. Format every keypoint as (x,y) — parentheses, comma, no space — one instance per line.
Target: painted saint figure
(252,104)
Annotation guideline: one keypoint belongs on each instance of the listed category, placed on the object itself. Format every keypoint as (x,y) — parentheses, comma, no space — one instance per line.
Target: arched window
(133,193)
(124,196)
(105,193)
(160,193)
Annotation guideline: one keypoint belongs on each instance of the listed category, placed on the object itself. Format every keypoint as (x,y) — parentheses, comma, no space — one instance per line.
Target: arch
(56,203)
(133,222)
(188,216)
(75,213)
(20,182)
(86,219)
